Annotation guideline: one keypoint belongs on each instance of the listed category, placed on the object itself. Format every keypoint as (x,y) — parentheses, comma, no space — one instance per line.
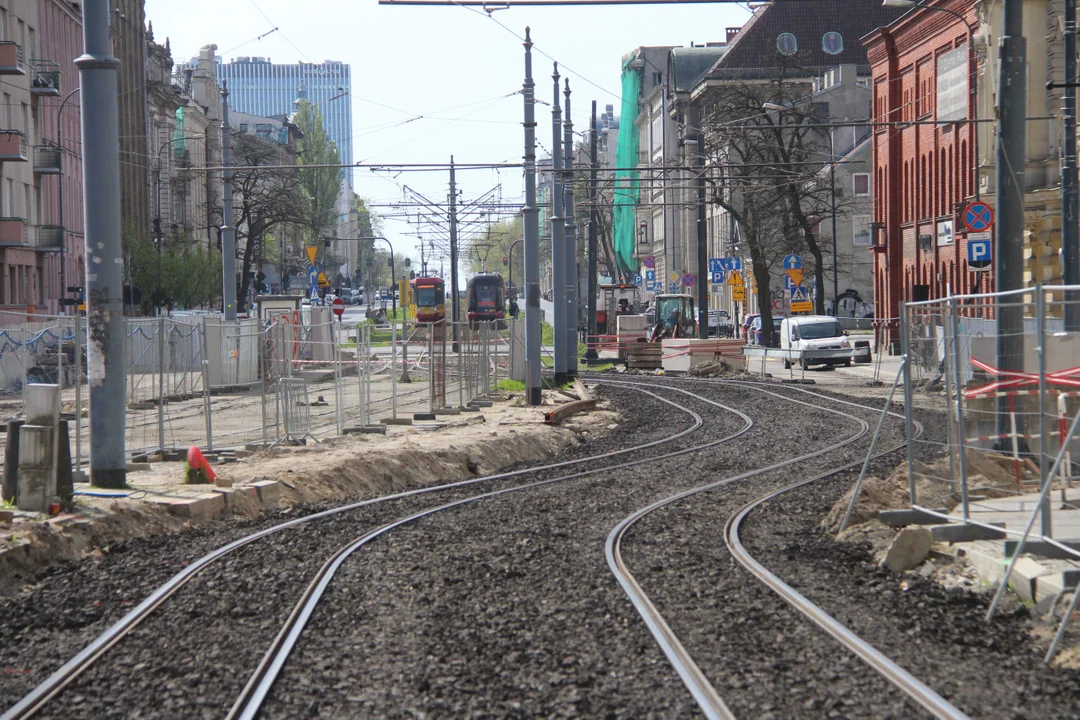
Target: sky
(458,68)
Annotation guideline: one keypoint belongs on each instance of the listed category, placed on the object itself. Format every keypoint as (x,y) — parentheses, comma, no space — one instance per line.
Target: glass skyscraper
(260,87)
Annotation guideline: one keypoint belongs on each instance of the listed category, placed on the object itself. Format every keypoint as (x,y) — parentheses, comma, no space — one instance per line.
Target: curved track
(55,683)
(248,704)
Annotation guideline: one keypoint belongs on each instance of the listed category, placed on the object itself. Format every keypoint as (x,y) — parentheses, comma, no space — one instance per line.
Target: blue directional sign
(312,276)
(792,262)
(734,263)
(717,265)
(980,252)
(650,277)
(978,217)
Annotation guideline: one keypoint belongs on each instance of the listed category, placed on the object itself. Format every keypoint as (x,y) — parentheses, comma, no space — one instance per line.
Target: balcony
(12,232)
(11,58)
(46,74)
(48,238)
(12,146)
(46,160)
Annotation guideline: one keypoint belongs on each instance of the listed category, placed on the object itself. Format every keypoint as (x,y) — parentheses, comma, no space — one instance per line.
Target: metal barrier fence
(199,380)
(1012,400)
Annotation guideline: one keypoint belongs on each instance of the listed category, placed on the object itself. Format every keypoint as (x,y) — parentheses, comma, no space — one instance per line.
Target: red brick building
(923,164)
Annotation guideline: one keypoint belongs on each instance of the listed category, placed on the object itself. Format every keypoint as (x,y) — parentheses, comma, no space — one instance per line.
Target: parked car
(747,321)
(816,332)
(756,336)
(720,324)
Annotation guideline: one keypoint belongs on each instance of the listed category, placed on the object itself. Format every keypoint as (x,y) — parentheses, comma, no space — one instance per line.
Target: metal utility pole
(454,312)
(101,213)
(571,241)
(558,235)
(1008,258)
(228,232)
(698,148)
(531,215)
(1070,195)
(60,198)
(590,302)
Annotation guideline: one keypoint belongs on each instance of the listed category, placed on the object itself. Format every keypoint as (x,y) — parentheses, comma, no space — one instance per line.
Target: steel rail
(888,669)
(251,699)
(914,688)
(37,698)
(708,699)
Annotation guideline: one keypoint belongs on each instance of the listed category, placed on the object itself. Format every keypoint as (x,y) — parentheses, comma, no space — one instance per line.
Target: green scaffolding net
(627,183)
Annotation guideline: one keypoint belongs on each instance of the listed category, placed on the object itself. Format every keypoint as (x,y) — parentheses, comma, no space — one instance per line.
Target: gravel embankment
(192,657)
(988,670)
(507,607)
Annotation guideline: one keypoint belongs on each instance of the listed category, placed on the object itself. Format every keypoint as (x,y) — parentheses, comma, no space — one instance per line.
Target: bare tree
(772,171)
(265,199)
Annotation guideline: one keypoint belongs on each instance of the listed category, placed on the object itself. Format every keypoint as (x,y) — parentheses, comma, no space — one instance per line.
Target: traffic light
(506,261)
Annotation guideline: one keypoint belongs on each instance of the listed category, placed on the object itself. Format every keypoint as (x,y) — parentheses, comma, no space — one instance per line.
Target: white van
(819,339)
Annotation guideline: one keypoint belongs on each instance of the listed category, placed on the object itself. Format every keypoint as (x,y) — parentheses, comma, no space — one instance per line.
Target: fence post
(909,426)
(459,332)
(161,385)
(954,310)
(431,366)
(495,365)
(393,366)
(339,398)
(261,344)
(78,393)
(206,389)
(1044,479)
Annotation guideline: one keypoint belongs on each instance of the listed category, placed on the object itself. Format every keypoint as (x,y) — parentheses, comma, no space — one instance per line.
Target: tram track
(249,704)
(39,697)
(260,684)
(709,700)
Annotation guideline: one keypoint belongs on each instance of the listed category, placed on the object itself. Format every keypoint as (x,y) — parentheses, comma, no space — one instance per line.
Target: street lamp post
(60,196)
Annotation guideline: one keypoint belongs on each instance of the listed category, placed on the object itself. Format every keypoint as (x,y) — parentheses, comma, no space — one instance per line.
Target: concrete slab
(396,421)
(1022,580)
(901,518)
(965,533)
(269,492)
(242,499)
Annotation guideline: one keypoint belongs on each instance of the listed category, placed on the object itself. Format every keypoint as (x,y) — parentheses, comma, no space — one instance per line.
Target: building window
(786,44)
(861,183)
(832,43)
(658,78)
(860,230)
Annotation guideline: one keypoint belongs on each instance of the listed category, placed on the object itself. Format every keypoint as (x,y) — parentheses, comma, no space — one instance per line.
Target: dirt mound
(989,475)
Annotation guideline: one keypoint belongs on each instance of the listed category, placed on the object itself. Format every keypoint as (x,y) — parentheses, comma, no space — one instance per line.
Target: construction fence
(1007,366)
(200,380)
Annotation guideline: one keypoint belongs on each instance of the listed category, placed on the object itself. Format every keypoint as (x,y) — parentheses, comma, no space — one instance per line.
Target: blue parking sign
(979,251)
(718,278)
(637,279)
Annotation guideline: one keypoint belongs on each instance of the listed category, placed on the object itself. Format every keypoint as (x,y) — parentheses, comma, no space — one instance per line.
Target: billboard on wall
(952,84)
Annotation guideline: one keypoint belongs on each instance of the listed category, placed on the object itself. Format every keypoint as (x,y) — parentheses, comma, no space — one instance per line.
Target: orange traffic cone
(198,470)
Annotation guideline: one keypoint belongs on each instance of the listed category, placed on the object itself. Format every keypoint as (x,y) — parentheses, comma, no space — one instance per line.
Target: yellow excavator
(674,318)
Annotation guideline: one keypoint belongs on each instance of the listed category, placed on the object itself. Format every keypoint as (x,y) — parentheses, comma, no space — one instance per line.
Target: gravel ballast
(506,607)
